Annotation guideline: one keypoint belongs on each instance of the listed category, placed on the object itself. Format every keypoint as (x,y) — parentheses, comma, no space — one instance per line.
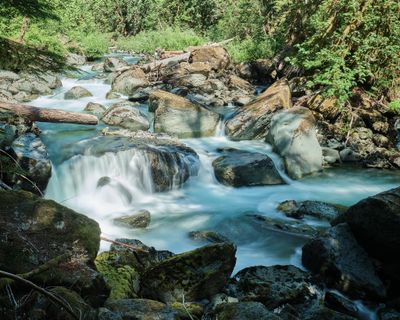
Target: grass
(168,39)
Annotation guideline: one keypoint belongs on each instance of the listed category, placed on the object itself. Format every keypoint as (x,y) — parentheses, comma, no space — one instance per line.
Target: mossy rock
(121,277)
(34,230)
(196,274)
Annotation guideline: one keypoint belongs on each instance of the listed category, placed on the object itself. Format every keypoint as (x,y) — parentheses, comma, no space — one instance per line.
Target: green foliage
(248,49)
(394,105)
(169,39)
(92,45)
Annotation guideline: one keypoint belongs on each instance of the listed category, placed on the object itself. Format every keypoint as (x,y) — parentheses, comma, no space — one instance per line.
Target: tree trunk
(24,29)
(47,115)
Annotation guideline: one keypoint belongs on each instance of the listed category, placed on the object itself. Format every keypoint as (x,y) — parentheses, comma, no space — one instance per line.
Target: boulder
(34,230)
(253,120)
(126,115)
(375,222)
(178,116)
(196,274)
(139,220)
(31,154)
(129,81)
(215,56)
(245,169)
(344,265)
(112,64)
(208,236)
(293,137)
(77,93)
(244,311)
(95,108)
(317,209)
(74,59)
(331,156)
(272,286)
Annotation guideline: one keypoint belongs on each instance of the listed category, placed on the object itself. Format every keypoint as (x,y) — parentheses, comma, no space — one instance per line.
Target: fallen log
(47,115)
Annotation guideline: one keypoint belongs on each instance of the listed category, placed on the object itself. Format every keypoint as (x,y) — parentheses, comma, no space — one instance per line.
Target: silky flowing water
(202,203)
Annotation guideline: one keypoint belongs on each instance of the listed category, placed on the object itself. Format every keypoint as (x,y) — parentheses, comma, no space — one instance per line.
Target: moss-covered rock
(34,230)
(196,274)
(120,276)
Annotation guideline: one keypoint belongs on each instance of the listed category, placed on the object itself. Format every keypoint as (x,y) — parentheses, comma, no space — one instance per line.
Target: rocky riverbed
(228,192)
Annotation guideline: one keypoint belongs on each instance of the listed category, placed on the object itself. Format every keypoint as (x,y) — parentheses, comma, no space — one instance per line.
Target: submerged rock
(293,136)
(178,116)
(273,286)
(317,209)
(344,265)
(126,115)
(77,93)
(253,120)
(31,155)
(196,274)
(129,81)
(34,230)
(140,220)
(242,168)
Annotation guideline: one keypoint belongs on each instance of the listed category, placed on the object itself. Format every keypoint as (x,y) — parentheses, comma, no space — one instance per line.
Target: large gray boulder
(77,92)
(129,81)
(344,265)
(242,168)
(126,115)
(31,154)
(196,274)
(253,120)
(294,138)
(95,108)
(112,64)
(178,116)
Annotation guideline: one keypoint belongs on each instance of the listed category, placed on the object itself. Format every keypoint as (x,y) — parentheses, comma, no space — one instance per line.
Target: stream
(202,203)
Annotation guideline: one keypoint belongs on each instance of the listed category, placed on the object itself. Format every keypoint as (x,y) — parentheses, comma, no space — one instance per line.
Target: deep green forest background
(337,44)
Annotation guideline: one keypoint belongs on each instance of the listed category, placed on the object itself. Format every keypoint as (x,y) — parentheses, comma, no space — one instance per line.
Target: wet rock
(253,120)
(120,275)
(74,59)
(123,191)
(196,274)
(95,108)
(30,153)
(140,309)
(242,168)
(98,67)
(318,209)
(344,265)
(215,56)
(331,156)
(375,222)
(389,314)
(34,230)
(349,155)
(273,286)
(126,115)
(209,236)
(244,311)
(112,64)
(293,136)
(294,228)
(139,220)
(112,95)
(77,93)
(129,81)
(176,115)
(340,303)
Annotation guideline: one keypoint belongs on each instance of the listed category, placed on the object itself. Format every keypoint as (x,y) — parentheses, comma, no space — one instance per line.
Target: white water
(202,203)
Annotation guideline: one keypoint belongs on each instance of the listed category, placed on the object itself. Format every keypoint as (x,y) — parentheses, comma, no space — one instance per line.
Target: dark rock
(77,93)
(196,274)
(140,220)
(242,168)
(209,236)
(340,303)
(244,311)
(273,286)
(344,265)
(34,230)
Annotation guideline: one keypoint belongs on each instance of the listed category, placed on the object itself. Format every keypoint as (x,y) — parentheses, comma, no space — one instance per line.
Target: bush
(249,50)
(168,39)
(93,45)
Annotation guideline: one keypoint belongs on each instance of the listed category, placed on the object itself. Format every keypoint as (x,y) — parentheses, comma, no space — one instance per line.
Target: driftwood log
(47,115)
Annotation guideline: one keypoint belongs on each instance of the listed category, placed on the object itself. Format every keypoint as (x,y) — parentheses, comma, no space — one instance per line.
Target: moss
(123,279)
(194,309)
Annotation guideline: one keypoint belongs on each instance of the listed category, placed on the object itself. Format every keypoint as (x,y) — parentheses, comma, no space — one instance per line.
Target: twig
(184,306)
(134,248)
(46,293)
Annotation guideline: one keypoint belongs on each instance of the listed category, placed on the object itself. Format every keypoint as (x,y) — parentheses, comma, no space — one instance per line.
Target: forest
(199,159)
